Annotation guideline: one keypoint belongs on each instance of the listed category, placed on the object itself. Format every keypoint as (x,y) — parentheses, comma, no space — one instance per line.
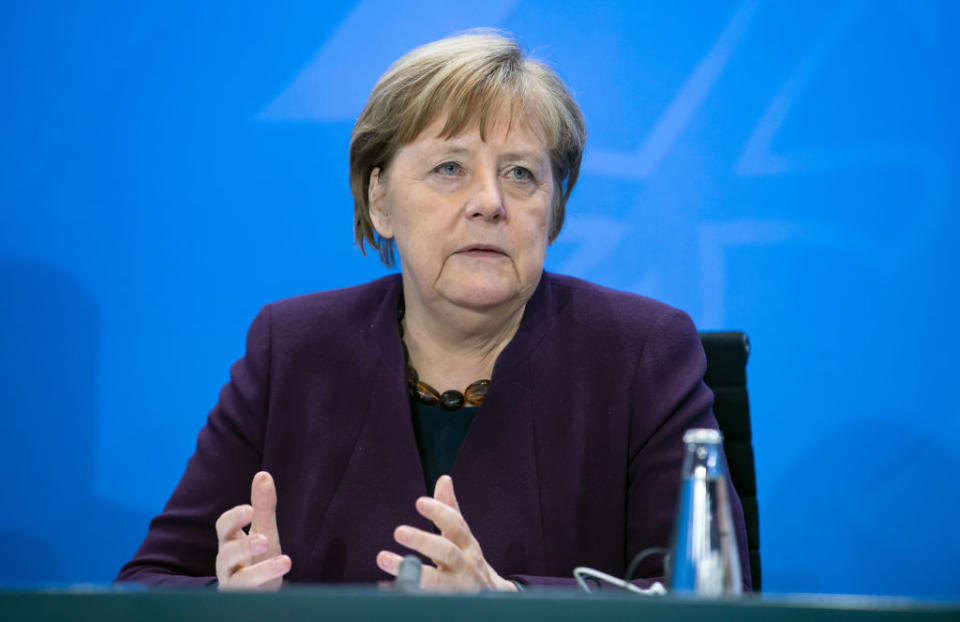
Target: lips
(482,250)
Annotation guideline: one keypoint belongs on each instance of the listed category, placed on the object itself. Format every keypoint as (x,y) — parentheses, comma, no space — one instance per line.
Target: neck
(452,346)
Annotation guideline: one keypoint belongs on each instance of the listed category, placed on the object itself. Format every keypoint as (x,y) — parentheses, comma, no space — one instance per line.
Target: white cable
(581,571)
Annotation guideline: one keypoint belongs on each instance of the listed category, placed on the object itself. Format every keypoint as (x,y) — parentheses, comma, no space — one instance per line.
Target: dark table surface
(346,603)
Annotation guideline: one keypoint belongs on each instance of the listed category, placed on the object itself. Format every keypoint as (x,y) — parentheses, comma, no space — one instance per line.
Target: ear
(377,198)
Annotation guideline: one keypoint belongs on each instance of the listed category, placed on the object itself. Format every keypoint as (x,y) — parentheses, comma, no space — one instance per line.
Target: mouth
(482,251)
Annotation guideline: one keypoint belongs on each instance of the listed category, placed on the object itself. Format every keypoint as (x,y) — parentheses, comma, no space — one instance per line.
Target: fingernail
(280,563)
(403,535)
(385,562)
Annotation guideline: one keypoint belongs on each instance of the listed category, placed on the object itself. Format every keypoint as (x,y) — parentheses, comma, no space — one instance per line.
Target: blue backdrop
(786,168)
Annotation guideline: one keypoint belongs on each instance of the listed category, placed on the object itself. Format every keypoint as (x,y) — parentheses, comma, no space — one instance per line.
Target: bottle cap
(702,435)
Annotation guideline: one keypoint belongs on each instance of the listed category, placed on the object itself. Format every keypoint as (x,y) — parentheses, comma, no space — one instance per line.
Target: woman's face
(470,217)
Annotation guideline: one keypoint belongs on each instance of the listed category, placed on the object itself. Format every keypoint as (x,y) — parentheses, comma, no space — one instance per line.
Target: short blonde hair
(468,77)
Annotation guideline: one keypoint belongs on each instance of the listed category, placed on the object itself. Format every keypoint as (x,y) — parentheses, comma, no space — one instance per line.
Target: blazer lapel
(495,474)
(382,477)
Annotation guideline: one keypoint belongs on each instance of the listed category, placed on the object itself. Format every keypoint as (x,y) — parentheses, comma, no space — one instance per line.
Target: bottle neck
(703,460)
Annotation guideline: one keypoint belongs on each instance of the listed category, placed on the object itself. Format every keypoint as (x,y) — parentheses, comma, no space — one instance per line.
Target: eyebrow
(450,149)
(455,149)
(524,155)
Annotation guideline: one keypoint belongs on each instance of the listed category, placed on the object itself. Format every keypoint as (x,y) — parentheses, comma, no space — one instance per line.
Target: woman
(462,160)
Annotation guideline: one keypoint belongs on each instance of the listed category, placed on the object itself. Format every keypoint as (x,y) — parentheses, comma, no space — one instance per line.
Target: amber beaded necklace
(450,400)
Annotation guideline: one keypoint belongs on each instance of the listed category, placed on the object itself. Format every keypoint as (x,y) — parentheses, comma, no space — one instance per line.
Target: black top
(440,434)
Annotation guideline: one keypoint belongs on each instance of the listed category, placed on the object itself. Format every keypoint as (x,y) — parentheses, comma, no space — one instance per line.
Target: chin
(481,292)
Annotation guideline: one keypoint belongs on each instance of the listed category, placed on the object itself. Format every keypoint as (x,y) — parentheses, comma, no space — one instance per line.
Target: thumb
(443,492)
(263,498)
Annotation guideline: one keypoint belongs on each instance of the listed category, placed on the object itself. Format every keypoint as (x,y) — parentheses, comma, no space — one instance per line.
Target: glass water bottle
(704,560)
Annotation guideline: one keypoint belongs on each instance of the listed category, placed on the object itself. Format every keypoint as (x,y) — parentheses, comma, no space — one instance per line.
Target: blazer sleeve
(670,397)
(181,545)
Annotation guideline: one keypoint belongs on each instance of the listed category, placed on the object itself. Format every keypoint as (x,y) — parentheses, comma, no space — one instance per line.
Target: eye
(519,173)
(449,169)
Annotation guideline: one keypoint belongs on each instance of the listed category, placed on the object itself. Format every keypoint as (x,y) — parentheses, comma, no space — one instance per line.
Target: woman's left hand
(460,565)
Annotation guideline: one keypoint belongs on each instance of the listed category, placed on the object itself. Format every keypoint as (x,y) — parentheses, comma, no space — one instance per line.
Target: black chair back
(726,376)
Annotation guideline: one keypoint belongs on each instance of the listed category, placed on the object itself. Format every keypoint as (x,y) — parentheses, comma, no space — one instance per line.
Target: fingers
(449,520)
(239,552)
(430,578)
(231,522)
(459,561)
(389,562)
(434,579)
(263,498)
(442,551)
(443,492)
(259,574)
(254,560)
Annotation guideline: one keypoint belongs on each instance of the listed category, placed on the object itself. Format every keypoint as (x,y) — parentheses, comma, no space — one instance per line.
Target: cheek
(403,219)
(544,222)
(420,249)
(536,237)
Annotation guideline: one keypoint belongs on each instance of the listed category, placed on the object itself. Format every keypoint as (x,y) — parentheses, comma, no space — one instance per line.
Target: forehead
(498,130)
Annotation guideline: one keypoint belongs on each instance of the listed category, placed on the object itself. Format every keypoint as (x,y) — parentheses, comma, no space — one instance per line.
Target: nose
(485,201)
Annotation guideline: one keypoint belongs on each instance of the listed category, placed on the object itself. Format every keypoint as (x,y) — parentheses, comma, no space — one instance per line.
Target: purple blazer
(573,459)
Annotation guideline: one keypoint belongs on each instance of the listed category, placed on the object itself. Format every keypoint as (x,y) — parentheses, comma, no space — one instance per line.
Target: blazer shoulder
(606,321)
(601,306)
(349,310)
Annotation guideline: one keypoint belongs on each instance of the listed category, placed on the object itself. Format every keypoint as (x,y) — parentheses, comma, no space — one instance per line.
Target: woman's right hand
(254,560)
